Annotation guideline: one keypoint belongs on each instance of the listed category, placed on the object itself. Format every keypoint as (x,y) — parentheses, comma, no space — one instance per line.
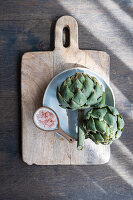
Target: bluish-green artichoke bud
(79,92)
(103,125)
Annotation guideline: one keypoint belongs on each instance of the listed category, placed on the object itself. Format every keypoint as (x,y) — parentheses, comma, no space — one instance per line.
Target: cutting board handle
(72,25)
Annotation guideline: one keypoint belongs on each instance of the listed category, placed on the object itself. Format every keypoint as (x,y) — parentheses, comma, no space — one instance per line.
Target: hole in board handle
(66,37)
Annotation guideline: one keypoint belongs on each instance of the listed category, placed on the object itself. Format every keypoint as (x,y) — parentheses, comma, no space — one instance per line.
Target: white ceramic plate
(68,118)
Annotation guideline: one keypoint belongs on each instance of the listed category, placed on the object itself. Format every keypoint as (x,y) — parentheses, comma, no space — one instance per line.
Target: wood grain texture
(26,26)
(37,69)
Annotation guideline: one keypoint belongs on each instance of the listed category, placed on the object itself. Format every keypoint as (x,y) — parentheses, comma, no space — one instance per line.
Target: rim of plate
(80,68)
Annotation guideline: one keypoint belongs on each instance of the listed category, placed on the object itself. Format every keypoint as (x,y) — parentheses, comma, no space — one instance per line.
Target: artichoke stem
(81,134)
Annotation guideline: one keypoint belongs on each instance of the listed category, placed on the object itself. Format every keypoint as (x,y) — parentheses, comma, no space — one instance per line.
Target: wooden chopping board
(38,68)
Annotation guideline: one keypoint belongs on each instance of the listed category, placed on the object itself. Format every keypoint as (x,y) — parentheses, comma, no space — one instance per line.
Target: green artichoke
(103,124)
(79,91)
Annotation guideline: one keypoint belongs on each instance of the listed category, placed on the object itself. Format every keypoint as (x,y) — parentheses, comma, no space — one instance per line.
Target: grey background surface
(28,25)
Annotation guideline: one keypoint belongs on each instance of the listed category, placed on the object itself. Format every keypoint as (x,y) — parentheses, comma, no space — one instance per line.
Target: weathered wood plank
(37,68)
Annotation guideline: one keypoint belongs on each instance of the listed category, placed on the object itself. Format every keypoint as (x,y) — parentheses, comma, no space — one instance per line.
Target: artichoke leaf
(80,98)
(110,119)
(113,110)
(87,116)
(92,100)
(98,137)
(63,86)
(100,126)
(98,90)
(81,78)
(88,86)
(114,128)
(94,79)
(120,122)
(91,125)
(73,105)
(107,132)
(118,134)
(99,113)
(84,107)
(67,94)
(68,82)
(99,100)
(92,138)
(63,103)
(76,85)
